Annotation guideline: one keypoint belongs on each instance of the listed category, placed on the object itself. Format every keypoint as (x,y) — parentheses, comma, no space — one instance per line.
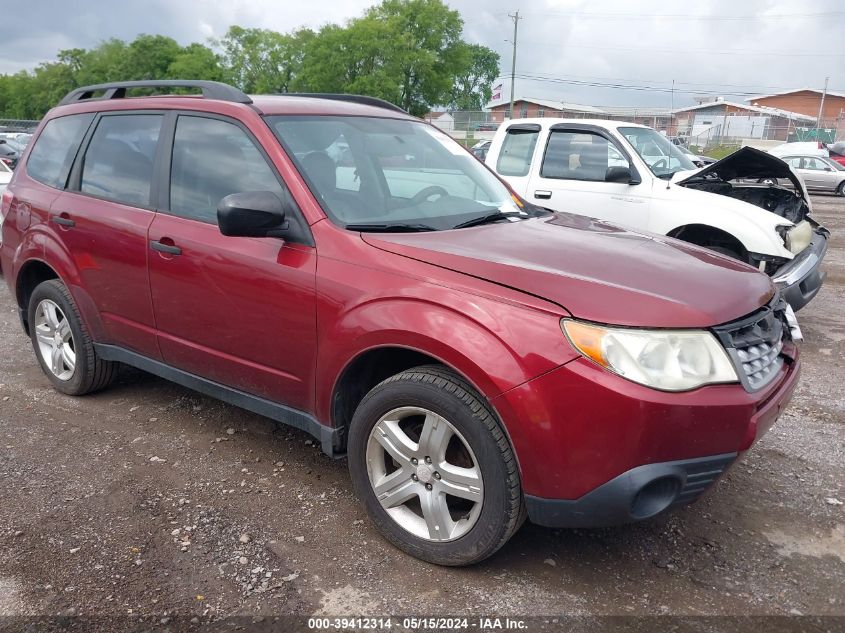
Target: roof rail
(362,99)
(117,90)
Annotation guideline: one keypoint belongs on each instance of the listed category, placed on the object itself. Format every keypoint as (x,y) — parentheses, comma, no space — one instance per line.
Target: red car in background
(340,266)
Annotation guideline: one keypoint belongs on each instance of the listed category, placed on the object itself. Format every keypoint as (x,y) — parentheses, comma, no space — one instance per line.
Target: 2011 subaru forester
(335,264)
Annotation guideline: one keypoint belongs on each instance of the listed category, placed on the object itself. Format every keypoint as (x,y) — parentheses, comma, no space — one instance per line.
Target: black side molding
(328,437)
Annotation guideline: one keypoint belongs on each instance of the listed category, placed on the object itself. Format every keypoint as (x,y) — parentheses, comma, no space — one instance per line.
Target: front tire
(434,468)
(840,191)
(62,344)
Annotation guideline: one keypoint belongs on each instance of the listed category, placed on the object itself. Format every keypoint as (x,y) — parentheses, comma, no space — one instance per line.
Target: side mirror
(620,174)
(252,214)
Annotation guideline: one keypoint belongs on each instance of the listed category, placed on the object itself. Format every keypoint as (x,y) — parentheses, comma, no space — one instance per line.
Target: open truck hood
(750,164)
(595,270)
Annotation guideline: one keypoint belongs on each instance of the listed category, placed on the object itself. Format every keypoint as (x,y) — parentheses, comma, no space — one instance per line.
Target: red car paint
(283,321)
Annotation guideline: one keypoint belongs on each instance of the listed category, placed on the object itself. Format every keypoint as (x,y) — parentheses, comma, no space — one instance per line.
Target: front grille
(754,344)
(701,474)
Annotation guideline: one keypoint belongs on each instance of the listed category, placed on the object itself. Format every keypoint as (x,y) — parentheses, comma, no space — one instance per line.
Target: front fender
(752,226)
(495,347)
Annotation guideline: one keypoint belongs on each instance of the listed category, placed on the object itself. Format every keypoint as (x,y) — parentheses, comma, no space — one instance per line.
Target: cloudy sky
(600,52)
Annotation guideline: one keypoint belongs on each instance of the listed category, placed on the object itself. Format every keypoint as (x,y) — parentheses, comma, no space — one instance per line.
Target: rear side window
(516,153)
(119,160)
(212,159)
(50,159)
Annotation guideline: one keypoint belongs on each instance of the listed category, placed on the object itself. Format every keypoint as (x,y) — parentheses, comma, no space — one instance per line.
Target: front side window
(517,151)
(578,155)
(50,158)
(118,163)
(211,160)
(390,172)
(662,157)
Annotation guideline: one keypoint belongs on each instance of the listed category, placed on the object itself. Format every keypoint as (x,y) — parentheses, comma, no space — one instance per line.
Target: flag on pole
(497,92)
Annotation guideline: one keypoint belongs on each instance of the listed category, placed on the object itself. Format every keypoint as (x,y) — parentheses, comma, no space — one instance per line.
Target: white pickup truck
(631,175)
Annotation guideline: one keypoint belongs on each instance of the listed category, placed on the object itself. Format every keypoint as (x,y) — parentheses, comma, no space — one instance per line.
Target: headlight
(670,360)
(796,238)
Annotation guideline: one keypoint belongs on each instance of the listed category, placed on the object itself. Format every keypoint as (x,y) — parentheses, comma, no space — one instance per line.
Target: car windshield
(662,157)
(377,174)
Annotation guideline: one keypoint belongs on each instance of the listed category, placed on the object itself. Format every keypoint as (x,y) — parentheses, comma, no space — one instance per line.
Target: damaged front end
(750,175)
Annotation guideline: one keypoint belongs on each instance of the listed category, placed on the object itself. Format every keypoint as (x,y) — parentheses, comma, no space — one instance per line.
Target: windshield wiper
(487,219)
(390,228)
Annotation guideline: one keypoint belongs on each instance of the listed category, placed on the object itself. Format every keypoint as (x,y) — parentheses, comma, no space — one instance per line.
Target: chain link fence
(17,125)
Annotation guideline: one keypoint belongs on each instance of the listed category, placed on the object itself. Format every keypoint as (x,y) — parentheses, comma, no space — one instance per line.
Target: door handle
(542,194)
(62,221)
(161,247)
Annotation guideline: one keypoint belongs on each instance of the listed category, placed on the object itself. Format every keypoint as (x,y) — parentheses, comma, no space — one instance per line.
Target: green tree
(473,85)
(196,61)
(263,61)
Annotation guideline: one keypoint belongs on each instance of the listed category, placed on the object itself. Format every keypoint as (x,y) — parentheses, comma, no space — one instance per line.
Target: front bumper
(800,279)
(638,494)
(595,449)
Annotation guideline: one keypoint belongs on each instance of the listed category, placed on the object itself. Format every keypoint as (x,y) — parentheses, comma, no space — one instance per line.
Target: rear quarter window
(51,156)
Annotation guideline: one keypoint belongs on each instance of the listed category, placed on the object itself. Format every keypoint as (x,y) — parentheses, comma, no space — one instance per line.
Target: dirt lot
(150,499)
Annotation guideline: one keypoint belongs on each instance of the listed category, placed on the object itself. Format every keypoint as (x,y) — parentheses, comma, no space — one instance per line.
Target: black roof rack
(362,99)
(210,90)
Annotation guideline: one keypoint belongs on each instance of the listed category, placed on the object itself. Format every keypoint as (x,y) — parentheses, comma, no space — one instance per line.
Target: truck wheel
(434,469)
(62,344)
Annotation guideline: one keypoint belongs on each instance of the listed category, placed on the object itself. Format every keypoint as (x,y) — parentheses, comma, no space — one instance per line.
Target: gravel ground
(151,500)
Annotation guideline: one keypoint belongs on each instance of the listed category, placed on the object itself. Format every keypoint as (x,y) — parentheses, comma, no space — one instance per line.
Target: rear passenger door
(102,218)
(570,176)
(239,311)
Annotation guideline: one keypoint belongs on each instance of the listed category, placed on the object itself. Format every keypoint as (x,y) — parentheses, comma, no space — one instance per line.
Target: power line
(732,51)
(686,16)
(758,89)
(628,86)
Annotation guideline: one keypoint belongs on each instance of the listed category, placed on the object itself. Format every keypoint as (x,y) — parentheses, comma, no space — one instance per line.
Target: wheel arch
(371,366)
(708,235)
(31,274)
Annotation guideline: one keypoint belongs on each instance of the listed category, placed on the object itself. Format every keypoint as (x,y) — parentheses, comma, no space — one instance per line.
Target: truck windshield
(662,157)
(377,173)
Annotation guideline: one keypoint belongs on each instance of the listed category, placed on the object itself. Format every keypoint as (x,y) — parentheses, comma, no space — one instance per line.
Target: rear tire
(62,344)
(414,437)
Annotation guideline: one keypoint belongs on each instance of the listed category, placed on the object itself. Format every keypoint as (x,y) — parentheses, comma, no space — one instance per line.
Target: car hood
(750,163)
(595,270)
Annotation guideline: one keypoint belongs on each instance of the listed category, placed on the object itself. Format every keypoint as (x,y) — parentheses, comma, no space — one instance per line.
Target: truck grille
(754,344)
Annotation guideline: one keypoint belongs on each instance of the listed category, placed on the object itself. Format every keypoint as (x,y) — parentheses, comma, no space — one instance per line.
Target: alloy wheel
(424,474)
(55,340)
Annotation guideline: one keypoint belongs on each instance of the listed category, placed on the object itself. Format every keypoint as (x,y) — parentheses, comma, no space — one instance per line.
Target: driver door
(570,177)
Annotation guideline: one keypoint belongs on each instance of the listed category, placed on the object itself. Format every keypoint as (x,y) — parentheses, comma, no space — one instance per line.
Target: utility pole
(821,108)
(515,17)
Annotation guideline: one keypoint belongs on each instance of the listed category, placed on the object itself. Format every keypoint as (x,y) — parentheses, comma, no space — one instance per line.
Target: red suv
(332,263)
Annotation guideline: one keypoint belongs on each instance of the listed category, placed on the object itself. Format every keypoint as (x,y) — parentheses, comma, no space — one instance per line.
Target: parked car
(480,149)
(478,359)
(8,154)
(817,172)
(632,175)
(5,176)
(698,161)
(800,148)
(836,152)
(486,126)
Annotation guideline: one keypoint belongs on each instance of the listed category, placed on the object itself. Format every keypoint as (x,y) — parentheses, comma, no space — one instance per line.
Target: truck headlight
(669,360)
(796,238)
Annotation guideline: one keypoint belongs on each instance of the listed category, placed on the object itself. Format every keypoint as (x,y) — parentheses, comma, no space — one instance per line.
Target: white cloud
(642,44)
